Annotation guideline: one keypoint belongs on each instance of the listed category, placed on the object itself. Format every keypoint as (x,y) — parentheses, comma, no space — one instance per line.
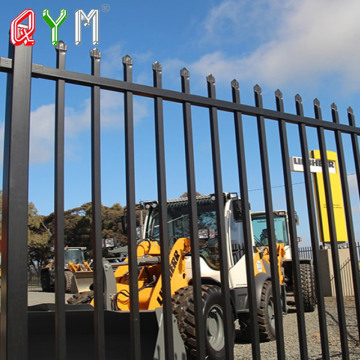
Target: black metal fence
(14,311)
(307,252)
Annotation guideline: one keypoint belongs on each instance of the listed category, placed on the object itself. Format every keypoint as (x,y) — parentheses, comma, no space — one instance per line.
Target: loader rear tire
(184,310)
(45,281)
(266,313)
(308,287)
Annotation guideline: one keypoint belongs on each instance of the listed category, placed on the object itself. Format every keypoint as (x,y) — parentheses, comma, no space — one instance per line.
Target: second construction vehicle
(150,276)
(78,273)
(282,235)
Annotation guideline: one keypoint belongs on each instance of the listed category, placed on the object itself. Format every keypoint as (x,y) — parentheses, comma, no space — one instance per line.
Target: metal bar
(332,232)
(14,323)
(348,214)
(164,234)
(245,203)
(193,217)
(60,323)
(220,219)
(72,77)
(131,212)
(270,226)
(96,224)
(292,228)
(355,146)
(313,232)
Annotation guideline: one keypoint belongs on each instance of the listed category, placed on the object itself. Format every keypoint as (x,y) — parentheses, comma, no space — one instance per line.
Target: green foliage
(78,221)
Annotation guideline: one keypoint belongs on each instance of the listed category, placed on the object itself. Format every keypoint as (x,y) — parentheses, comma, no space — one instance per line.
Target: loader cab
(179,225)
(281,229)
(75,255)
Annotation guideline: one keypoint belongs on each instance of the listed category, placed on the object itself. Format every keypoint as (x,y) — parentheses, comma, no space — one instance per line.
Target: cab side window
(237,238)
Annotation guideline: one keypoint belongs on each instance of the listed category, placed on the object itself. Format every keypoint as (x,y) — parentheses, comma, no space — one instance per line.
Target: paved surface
(243,350)
(39,297)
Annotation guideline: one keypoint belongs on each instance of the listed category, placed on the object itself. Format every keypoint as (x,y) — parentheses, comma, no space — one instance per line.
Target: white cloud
(309,40)
(76,121)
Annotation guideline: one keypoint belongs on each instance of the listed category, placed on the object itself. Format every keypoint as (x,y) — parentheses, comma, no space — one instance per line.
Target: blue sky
(306,47)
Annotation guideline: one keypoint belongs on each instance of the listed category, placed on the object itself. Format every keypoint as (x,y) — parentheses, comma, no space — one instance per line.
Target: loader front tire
(183,308)
(266,313)
(68,280)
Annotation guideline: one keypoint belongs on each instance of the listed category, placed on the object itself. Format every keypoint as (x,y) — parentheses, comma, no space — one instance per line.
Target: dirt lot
(268,350)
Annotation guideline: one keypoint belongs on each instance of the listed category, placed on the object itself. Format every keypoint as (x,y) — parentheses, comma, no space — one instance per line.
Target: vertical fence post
(348,213)
(292,228)
(164,235)
(248,243)
(313,230)
(131,212)
(14,323)
(355,146)
(220,219)
(270,225)
(96,237)
(193,215)
(332,232)
(60,332)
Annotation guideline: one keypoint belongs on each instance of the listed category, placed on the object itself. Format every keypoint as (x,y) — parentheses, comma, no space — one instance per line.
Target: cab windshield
(179,226)
(261,231)
(74,255)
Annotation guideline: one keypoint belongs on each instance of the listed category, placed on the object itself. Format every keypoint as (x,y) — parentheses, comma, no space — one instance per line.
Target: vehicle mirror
(297,221)
(238,216)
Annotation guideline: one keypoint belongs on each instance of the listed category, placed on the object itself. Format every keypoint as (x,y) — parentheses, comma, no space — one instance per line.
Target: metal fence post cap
(61,46)
(157,66)
(235,84)
(279,94)
(184,72)
(298,98)
(127,60)
(334,107)
(316,102)
(351,117)
(95,53)
(257,89)
(210,79)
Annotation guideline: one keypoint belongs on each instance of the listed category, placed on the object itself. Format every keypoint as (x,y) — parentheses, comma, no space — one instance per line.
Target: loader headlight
(151,205)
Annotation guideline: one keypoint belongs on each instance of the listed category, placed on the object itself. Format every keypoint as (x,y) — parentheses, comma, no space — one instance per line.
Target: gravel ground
(268,350)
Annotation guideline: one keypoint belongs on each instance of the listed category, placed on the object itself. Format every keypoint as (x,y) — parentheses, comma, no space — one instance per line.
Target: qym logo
(22,34)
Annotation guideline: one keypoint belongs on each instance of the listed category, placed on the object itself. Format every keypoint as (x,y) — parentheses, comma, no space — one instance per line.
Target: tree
(77,224)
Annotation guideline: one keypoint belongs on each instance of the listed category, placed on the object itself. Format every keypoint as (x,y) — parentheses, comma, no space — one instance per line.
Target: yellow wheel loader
(282,234)
(149,277)
(78,273)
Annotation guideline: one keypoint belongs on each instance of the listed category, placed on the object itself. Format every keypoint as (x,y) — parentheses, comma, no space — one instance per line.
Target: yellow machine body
(150,277)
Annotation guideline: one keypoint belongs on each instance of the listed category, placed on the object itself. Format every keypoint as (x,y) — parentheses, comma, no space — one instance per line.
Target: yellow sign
(337,200)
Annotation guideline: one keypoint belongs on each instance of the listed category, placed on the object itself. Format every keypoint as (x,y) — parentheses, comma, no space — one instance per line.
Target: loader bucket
(80,334)
(81,281)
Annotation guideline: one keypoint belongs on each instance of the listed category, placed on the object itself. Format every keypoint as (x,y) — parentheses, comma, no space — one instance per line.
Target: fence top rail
(49,73)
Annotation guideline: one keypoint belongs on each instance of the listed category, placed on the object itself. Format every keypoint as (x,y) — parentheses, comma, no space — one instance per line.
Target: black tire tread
(68,280)
(183,308)
(266,333)
(308,287)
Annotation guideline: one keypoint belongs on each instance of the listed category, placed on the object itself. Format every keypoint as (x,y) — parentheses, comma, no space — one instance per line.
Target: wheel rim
(215,327)
(271,312)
